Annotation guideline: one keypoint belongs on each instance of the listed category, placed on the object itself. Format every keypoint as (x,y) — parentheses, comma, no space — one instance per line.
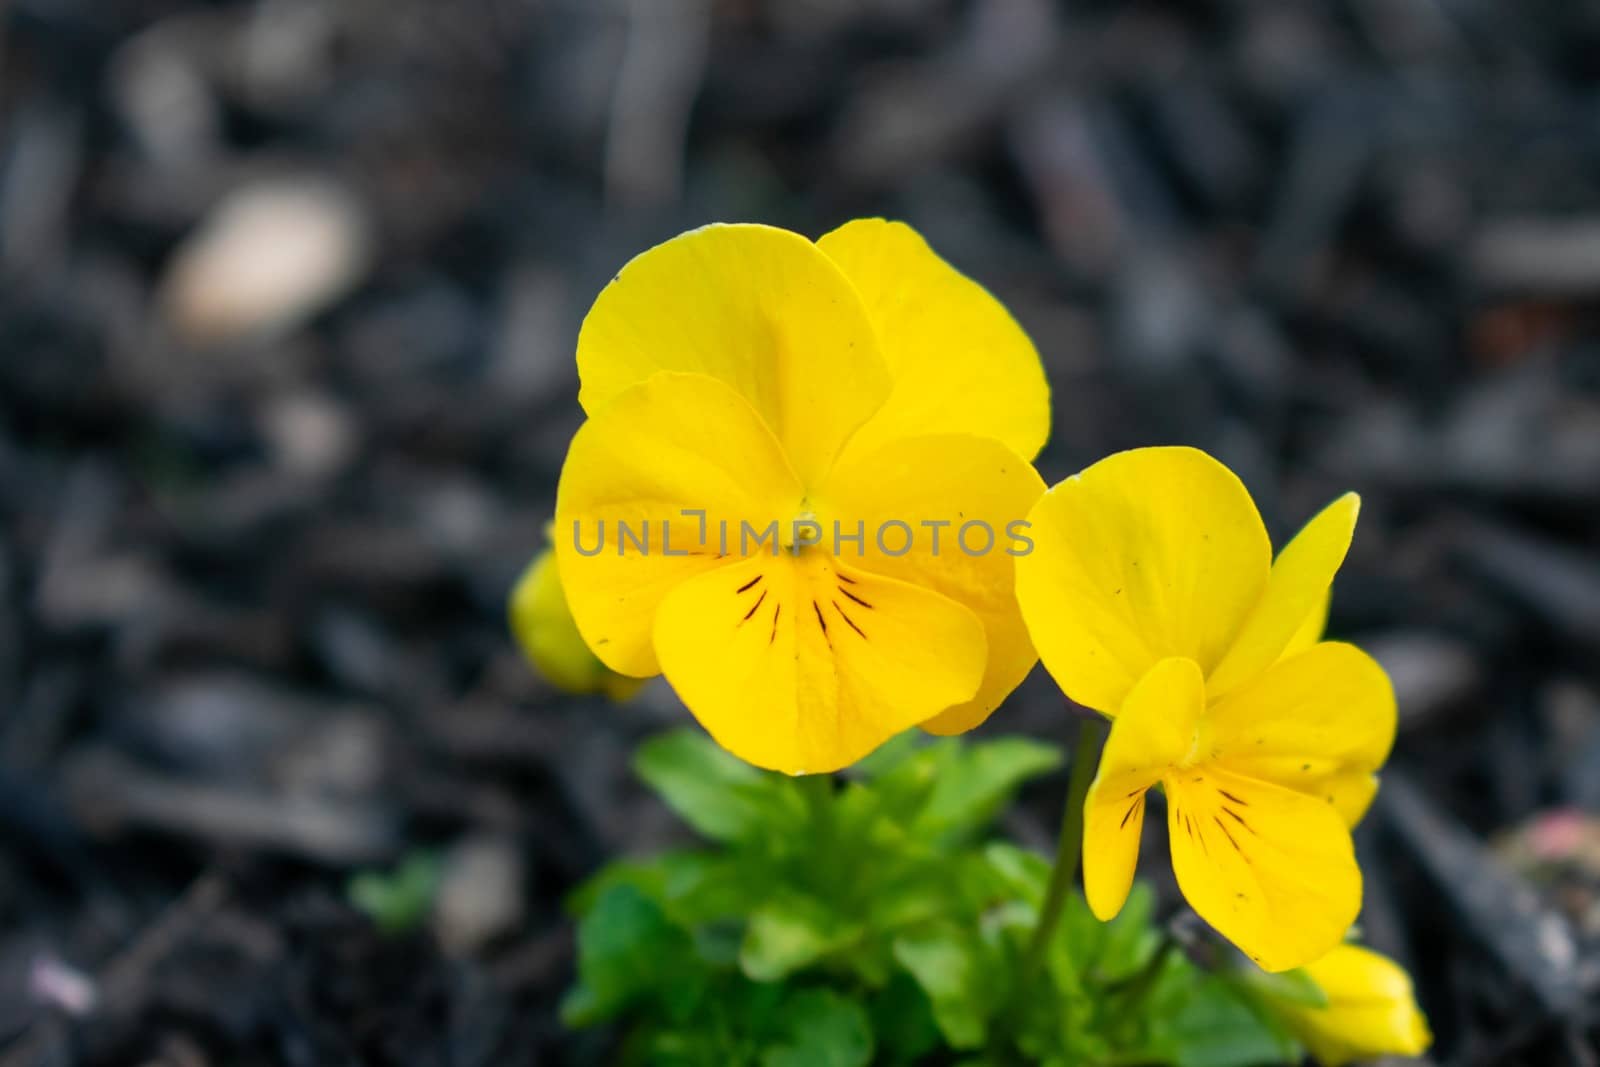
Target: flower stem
(1068,850)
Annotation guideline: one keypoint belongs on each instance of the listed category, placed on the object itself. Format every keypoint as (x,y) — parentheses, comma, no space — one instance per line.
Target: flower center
(802,531)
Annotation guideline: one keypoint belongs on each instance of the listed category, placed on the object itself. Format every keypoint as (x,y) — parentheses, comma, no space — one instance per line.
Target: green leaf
(822,1028)
(628,950)
(789,933)
(971,788)
(398,901)
(1200,1020)
(650,877)
(904,788)
(708,788)
(949,963)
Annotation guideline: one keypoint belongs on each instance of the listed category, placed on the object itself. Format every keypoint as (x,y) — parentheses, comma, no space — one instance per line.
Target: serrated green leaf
(949,963)
(822,1028)
(627,949)
(971,786)
(789,933)
(710,789)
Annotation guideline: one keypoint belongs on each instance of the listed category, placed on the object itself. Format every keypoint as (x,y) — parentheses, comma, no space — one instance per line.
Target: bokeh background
(288,298)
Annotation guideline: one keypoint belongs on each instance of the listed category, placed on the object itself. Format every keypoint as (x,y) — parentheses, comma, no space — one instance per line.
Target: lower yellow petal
(1155,730)
(1147,554)
(960,362)
(676,443)
(804,665)
(937,512)
(1372,1010)
(1299,583)
(1273,870)
(1320,723)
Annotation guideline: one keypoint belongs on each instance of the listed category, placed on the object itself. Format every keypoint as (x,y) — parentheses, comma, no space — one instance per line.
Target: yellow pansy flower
(785,442)
(549,638)
(1153,597)
(1371,1011)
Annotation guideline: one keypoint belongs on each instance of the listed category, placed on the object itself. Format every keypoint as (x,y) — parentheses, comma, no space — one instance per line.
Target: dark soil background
(288,298)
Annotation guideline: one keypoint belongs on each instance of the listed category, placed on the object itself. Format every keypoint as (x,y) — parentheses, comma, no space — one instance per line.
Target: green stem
(1068,850)
(818,792)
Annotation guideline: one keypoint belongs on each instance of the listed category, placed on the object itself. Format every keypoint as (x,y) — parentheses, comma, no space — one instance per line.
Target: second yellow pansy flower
(1153,597)
(800,431)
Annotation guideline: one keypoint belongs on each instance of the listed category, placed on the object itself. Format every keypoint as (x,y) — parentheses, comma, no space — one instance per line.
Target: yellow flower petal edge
(960,362)
(1372,1009)
(544,629)
(1147,554)
(734,378)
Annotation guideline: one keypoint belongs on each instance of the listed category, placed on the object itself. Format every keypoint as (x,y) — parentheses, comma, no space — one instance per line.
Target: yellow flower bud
(1371,1010)
(550,639)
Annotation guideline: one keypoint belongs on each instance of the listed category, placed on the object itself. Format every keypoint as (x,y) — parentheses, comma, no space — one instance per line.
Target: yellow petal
(549,638)
(1155,731)
(1372,1010)
(753,306)
(803,664)
(1299,583)
(1147,554)
(1311,629)
(947,502)
(1271,869)
(960,362)
(676,442)
(1320,723)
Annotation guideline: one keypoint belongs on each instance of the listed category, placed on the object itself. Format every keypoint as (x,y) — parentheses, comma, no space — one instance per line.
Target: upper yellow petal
(960,362)
(1297,587)
(1147,554)
(674,443)
(1155,730)
(759,308)
(943,506)
(802,664)
(1372,1010)
(1320,723)
(1273,870)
